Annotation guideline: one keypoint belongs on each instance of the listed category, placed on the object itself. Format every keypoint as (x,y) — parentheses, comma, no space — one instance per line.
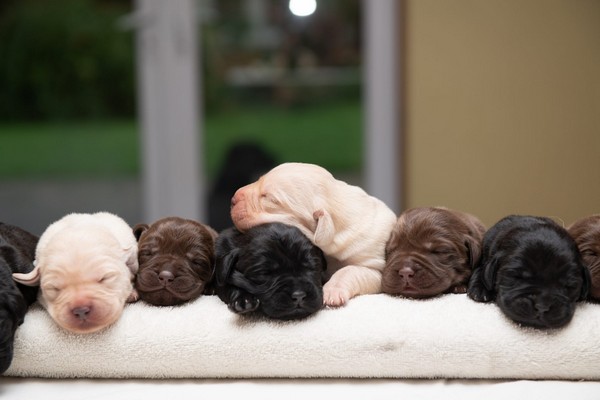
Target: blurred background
(494,106)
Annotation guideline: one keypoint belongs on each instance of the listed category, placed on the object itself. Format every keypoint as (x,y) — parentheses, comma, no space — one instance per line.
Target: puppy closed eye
(106,278)
(51,291)
(269,199)
(145,253)
(589,253)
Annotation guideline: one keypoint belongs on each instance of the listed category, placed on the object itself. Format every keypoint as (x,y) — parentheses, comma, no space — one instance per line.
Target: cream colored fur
(85,261)
(349,225)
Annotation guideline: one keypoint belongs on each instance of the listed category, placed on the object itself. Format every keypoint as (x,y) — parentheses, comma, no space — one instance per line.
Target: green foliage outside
(329,136)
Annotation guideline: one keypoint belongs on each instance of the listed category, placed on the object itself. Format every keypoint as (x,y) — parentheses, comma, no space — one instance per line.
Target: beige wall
(502,104)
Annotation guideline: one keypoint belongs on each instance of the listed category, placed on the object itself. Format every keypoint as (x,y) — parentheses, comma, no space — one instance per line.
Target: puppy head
(84,279)
(291,193)
(586,233)
(279,267)
(176,258)
(539,278)
(431,250)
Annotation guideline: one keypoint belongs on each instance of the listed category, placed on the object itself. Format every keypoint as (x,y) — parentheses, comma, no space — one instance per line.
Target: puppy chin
(281,306)
(520,309)
(85,314)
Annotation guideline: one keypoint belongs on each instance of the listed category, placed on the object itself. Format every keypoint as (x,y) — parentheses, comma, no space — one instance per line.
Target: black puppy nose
(541,307)
(166,276)
(298,296)
(81,312)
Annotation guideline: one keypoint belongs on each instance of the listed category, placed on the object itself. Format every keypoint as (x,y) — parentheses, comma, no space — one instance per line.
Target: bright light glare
(303,8)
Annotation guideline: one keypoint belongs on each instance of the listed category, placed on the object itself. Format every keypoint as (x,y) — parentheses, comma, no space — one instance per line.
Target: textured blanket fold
(372,336)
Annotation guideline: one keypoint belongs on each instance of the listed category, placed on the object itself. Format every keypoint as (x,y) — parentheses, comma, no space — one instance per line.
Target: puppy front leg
(476,289)
(349,282)
(133,296)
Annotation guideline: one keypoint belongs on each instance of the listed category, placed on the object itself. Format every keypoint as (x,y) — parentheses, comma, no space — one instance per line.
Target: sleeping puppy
(84,264)
(531,267)
(350,226)
(17,251)
(586,232)
(176,258)
(431,250)
(272,269)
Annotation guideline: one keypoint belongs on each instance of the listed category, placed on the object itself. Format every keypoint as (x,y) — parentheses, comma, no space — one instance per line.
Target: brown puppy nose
(166,276)
(81,313)
(406,273)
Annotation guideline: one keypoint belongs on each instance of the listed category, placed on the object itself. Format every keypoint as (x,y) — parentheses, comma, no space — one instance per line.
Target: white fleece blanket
(372,336)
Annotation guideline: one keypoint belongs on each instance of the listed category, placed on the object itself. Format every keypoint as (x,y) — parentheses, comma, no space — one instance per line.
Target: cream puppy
(85,264)
(350,226)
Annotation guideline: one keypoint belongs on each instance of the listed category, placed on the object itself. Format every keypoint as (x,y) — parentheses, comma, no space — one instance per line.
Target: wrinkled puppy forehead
(73,249)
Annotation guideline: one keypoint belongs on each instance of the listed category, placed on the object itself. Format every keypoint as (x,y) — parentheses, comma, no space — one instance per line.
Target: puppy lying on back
(531,267)
(85,264)
(586,233)
(176,258)
(17,251)
(350,226)
(272,269)
(431,250)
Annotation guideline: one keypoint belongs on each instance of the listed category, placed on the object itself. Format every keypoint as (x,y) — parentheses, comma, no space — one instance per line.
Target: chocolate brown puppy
(431,251)
(176,258)
(586,233)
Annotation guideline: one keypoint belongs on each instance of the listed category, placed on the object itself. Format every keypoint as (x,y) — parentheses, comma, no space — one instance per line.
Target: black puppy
(272,268)
(531,267)
(17,252)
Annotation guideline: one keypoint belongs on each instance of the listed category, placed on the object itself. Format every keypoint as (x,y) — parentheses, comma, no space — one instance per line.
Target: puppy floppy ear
(30,279)
(473,250)
(490,270)
(139,229)
(226,266)
(325,230)
(587,281)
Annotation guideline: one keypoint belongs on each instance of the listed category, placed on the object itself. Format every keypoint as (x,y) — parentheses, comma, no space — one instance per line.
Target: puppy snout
(298,296)
(166,276)
(82,313)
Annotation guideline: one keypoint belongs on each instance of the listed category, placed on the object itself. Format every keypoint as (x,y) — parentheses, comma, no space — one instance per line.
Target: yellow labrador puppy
(85,264)
(350,226)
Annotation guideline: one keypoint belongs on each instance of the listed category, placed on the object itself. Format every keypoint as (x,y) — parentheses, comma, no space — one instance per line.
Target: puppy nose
(298,296)
(236,198)
(166,276)
(81,312)
(406,273)
(541,307)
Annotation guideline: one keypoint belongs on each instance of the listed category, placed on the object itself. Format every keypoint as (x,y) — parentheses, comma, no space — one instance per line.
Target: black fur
(272,269)
(533,270)
(17,252)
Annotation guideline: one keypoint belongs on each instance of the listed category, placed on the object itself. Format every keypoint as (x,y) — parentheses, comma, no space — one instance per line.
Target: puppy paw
(133,296)
(335,296)
(480,293)
(244,304)
(459,289)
